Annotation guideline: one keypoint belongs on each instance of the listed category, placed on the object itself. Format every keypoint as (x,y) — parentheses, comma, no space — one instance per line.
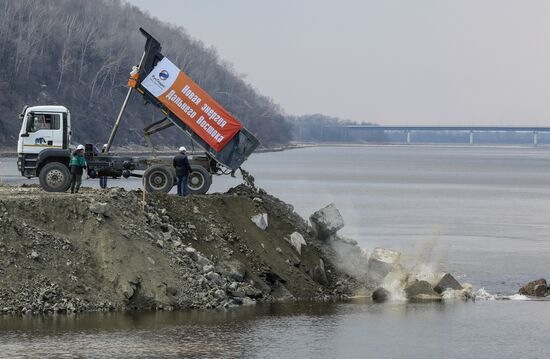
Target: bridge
(348,129)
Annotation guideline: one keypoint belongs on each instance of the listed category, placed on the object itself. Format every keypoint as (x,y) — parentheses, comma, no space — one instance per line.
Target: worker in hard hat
(77,166)
(103,179)
(183,169)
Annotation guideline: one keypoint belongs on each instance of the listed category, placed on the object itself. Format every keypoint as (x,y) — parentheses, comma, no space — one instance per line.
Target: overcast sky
(455,62)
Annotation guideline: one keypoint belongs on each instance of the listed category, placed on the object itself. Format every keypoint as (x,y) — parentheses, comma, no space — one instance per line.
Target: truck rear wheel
(55,177)
(158,179)
(199,180)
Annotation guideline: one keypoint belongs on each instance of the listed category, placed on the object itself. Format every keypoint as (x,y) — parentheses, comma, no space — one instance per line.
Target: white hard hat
(183,149)
(105,146)
(79,147)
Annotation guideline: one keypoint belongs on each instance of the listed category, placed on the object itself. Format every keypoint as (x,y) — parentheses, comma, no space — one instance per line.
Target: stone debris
(297,241)
(232,269)
(421,291)
(381,262)
(380,295)
(447,282)
(319,274)
(191,252)
(260,220)
(351,258)
(326,222)
(536,288)
(100,208)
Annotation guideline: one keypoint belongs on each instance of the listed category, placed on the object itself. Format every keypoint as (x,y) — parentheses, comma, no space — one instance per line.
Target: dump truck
(44,146)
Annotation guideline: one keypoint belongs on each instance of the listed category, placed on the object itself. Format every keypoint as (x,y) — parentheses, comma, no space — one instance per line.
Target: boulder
(381,262)
(380,295)
(202,260)
(446,282)
(100,208)
(420,291)
(232,269)
(319,275)
(531,289)
(297,241)
(260,220)
(214,277)
(281,294)
(208,268)
(191,252)
(541,290)
(220,294)
(326,222)
(248,302)
(351,259)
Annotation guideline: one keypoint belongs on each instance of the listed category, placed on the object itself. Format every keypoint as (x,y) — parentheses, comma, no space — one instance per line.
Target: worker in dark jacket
(103,179)
(183,169)
(77,166)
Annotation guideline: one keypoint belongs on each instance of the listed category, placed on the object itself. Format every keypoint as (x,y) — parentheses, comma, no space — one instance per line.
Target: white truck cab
(42,127)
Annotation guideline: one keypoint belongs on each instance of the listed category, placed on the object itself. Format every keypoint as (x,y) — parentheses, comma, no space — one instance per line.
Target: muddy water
(479,212)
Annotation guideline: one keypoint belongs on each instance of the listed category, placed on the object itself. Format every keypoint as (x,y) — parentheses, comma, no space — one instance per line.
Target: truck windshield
(45,121)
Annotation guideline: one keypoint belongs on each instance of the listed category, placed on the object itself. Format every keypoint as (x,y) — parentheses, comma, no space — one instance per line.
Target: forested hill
(79,54)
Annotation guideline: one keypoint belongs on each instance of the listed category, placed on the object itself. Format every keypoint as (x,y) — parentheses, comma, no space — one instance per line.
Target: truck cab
(42,128)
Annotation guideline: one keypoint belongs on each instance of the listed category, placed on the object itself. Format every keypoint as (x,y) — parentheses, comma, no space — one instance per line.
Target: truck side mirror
(24,135)
(28,125)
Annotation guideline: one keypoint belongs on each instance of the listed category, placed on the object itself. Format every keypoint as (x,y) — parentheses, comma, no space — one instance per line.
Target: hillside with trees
(79,54)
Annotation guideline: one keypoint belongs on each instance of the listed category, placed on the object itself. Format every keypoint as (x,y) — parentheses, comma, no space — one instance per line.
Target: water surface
(479,212)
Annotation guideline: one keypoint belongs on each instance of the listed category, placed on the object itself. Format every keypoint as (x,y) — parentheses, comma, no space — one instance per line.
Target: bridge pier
(471,137)
(535,138)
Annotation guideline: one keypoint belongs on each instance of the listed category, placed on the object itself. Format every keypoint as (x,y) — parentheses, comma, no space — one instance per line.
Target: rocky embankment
(104,250)
(101,251)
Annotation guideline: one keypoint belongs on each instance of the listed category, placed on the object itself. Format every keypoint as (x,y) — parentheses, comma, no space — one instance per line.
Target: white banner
(161,78)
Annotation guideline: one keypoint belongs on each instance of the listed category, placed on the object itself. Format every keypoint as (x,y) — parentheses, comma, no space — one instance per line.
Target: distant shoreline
(7,153)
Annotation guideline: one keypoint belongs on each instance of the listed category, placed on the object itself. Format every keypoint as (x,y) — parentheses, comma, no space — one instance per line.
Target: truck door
(43,131)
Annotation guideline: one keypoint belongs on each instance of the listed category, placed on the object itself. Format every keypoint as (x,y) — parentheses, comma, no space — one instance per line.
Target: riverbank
(100,251)
(164,151)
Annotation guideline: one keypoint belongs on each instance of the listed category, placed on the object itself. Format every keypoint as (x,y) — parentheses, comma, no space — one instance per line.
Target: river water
(480,212)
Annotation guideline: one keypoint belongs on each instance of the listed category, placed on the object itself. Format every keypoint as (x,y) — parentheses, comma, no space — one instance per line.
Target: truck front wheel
(158,179)
(55,177)
(199,180)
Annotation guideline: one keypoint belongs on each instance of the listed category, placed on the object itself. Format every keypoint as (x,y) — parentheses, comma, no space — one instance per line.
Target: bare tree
(66,57)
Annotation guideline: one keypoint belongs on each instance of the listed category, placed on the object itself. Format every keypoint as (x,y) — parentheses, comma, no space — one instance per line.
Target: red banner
(192,105)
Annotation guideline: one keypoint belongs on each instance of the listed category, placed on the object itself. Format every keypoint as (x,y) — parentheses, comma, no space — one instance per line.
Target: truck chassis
(52,168)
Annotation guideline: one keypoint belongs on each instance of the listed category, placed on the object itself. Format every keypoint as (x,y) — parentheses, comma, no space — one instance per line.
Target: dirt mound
(99,250)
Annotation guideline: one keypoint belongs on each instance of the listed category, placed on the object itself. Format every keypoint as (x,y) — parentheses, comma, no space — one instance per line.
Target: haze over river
(482,213)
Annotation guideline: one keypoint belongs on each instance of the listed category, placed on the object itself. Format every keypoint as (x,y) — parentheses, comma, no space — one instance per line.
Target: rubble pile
(100,251)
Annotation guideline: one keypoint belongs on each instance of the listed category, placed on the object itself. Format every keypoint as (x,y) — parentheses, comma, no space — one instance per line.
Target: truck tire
(55,177)
(199,181)
(158,179)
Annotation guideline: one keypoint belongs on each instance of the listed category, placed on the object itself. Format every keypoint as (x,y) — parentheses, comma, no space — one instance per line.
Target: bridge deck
(446,128)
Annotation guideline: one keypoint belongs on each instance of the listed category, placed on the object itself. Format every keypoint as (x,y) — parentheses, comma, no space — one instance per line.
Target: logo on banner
(163,75)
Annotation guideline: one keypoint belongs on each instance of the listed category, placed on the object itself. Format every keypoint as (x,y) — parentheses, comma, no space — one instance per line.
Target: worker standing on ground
(77,165)
(103,179)
(183,169)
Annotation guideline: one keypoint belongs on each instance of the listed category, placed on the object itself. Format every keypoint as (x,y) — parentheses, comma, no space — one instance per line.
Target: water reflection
(306,330)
